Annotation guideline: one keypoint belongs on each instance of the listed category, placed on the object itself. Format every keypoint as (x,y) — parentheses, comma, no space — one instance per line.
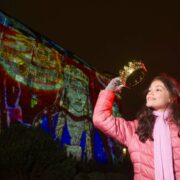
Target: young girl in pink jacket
(153,139)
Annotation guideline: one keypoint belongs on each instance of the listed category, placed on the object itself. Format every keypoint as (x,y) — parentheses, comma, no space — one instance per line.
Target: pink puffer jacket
(124,132)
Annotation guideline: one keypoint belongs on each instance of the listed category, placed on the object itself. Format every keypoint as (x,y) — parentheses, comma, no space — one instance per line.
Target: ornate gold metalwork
(132,74)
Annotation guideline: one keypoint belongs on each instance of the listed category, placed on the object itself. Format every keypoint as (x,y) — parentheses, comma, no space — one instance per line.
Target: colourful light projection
(29,61)
(44,85)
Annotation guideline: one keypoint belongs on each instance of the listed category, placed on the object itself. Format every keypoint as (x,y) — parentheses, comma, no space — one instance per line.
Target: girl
(153,139)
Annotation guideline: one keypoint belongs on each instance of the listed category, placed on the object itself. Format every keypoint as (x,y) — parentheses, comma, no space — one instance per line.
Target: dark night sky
(107,36)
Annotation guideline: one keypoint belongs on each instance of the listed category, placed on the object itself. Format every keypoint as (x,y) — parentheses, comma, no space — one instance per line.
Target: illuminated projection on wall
(44,85)
(29,61)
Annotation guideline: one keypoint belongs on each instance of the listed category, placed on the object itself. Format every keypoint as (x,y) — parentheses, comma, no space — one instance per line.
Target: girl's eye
(158,89)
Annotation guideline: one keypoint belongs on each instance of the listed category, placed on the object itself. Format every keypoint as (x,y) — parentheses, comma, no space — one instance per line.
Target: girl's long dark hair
(145,116)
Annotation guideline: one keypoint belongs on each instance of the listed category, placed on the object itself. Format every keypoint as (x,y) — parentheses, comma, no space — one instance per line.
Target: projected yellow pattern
(29,61)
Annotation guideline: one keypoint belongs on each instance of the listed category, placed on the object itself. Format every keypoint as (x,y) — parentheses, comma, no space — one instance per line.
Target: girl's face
(158,96)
